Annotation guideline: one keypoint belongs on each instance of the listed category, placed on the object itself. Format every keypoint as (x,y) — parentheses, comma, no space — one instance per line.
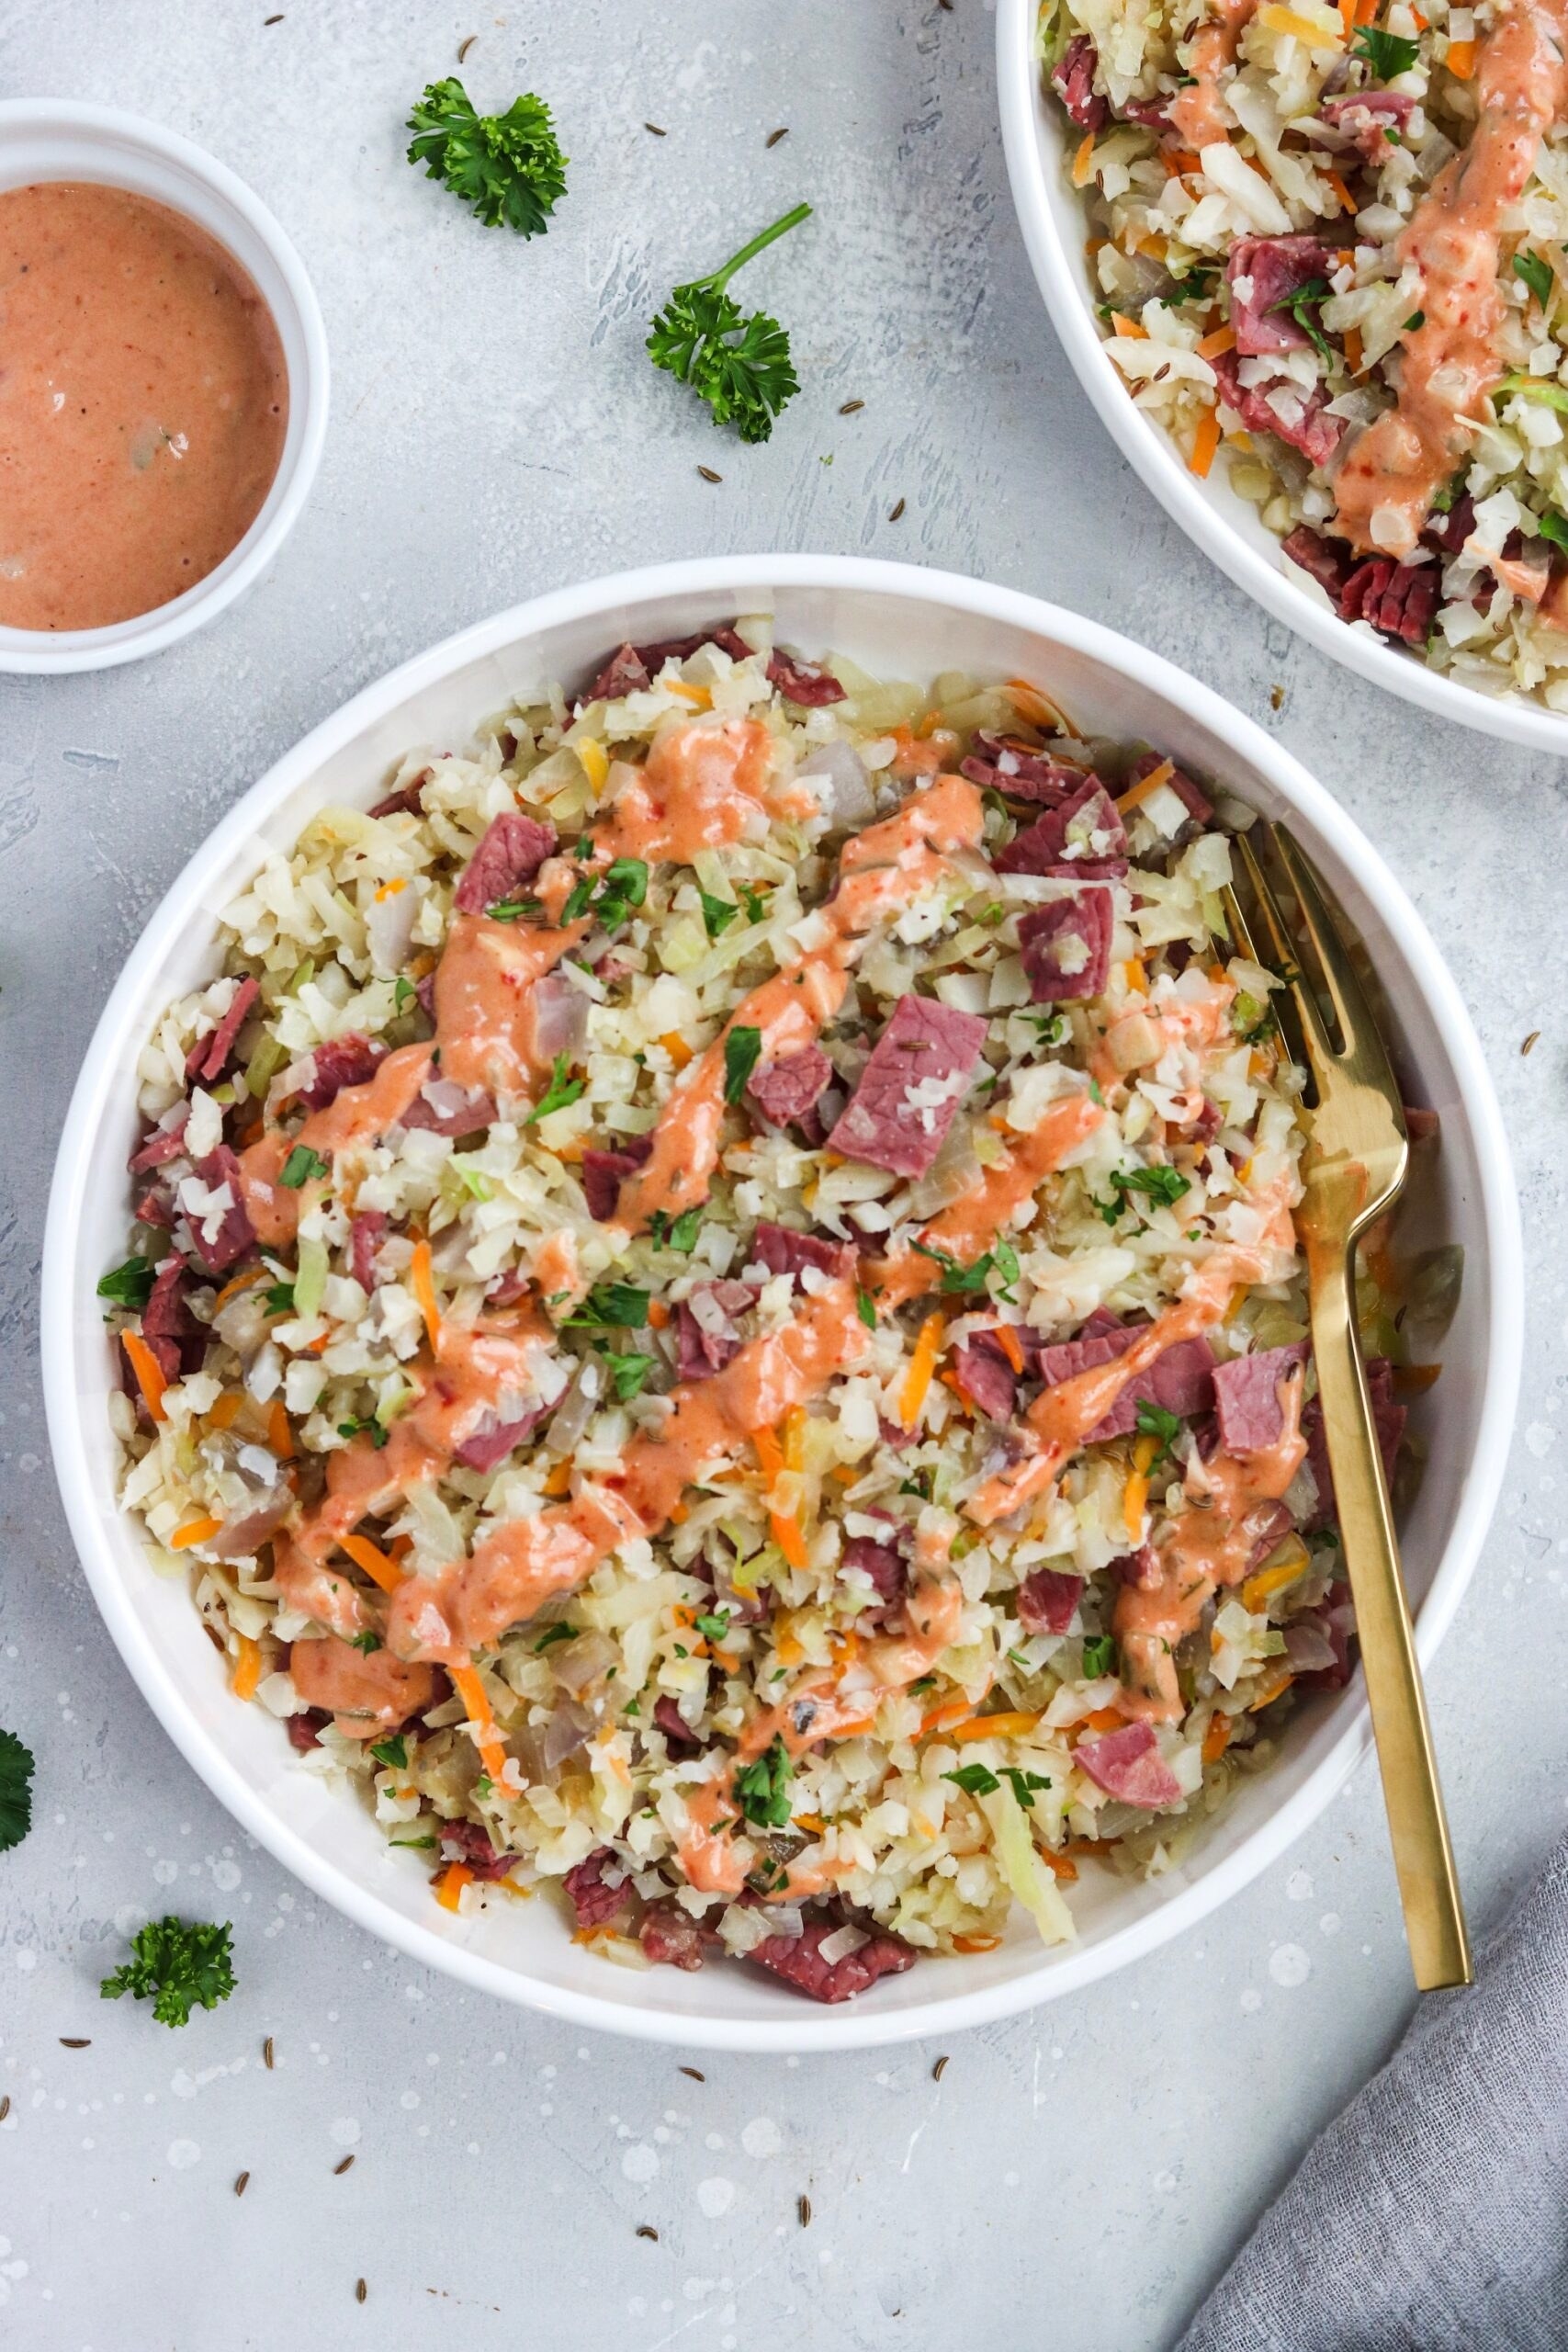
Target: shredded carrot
(149,1372)
(1180,161)
(391,889)
(1010,1726)
(976,1943)
(678,1515)
(698,696)
(595,765)
(1137,979)
(1256,1591)
(1136,794)
(227,1411)
(922,1365)
(1205,441)
(1217,1739)
(1103,1719)
(1134,1502)
(379,1566)
(1061,1866)
(1083,161)
(1134,327)
(1034,704)
(1269,1692)
(786,1530)
(319,1347)
(787,1650)
(808,1821)
(450,1885)
(1412,1379)
(794,1437)
(1341,191)
(195,1530)
(241,1282)
(657,1315)
(1223,339)
(1461,60)
(400,1547)
(279,1436)
(423,1280)
(559,1479)
(247,1671)
(1367,9)
(487,1738)
(1007,1339)
(943,1718)
(1353,350)
(1347,19)
(677,1048)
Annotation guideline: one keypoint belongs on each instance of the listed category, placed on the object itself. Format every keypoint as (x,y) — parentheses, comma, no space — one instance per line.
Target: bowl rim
(29,653)
(77,1164)
(1153,457)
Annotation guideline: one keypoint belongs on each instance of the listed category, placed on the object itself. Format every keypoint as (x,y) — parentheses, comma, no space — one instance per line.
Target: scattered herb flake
(560,1091)
(762,1788)
(302,1167)
(974,1780)
(393,1753)
(1388,54)
(1535,272)
(718,914)
(742,1050)
(865,1308)
(130,1284)
(627,1373)
(553,1633)
(1161,1186)
(615,1306)
(1098,1656)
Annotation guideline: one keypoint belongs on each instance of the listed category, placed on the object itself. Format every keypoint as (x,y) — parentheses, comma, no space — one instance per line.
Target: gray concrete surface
(1077,2176)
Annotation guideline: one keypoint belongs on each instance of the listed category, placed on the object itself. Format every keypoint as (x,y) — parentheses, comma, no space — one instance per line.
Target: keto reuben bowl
(1326,244)
(714,1319)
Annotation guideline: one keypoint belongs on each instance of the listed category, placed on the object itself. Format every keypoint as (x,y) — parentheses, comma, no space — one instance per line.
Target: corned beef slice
(342,1062)
(784,1251)
(1020,769)
(486,1447)
(208,1056)
(1066,946)
(1271,269)
(787,1090)
(454,1110)
(1046,1600)
(1327,561)
(805,682)
(927,1051)
(604,1172)
(883,1564)
(669,1719)
(366,1231)
(234,1235)
(706,1339)
(1399,599)
(169,1328)
(1180,1381)
(798,1959)
(1072,75)
(1246,1397)
(160,1145)
(1314,433)
(593,1901)
(510,854)
(1194,802)
(1389,1418)
(1080,834)
(467,1841)
(984,1371)
(633,668)
(669,1934)
(1127,1764)
(1367,117)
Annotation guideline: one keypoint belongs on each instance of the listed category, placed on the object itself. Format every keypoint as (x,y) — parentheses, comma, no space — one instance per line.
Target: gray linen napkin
(1433,2213)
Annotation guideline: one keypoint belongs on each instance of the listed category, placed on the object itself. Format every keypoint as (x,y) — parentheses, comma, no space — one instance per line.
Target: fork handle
(1423,1856)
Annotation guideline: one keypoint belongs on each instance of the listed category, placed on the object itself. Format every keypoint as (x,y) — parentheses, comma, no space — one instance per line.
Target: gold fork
(1352,1170)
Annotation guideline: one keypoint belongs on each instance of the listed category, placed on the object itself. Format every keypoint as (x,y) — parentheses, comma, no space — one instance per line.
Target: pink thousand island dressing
(143,404)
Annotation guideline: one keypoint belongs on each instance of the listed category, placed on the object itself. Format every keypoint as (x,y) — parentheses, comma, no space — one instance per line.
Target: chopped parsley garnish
(612,895)
(920,1483)
(1054,1027)
(553,1633)
(974,1780)
(1551,527)
(1300,304)
(1195,285)
(1025,1785)
(1162,1186)
(302,1166)
(755,901)
(1536,273)
(371,1428)
(1002,1260)
(1388,54)
(616,1307)
(178,1965)
(278,1298)
(403,994)
(560,1090)
(1098,1656)
(627,1374)
(130,1284)
(865,1308)
(509,167)
(715,1626)
(512,910)
(411,1841)
(393,1753)
(675,1233)
(1418,318)
(742,1051)
(761,1789)
(1155,1422)
(1250,1016)
(15,1791)
(718,914)
(745,381)
(367,1644)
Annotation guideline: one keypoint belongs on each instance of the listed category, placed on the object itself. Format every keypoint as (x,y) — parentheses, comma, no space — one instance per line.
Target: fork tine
(1357,1025)
(1282,957)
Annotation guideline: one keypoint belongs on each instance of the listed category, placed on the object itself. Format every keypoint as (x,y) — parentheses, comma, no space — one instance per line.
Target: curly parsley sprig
(508,166)
(745,382)
(178,1964)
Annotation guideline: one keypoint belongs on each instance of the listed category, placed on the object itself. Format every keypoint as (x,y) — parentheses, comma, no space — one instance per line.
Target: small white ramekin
(53,139)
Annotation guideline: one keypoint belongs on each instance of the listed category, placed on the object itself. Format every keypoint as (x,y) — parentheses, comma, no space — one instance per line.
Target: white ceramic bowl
(898,621)
(49,138)
(1036,136)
